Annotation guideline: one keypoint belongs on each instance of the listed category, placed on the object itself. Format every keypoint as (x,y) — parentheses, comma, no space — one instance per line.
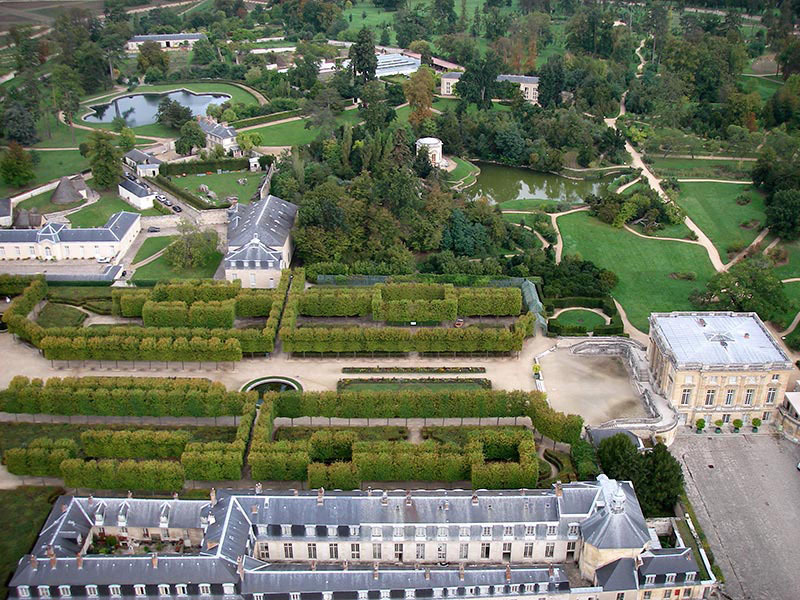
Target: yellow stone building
(717,366)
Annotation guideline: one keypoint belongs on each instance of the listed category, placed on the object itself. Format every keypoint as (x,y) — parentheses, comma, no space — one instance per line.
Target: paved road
(745,490)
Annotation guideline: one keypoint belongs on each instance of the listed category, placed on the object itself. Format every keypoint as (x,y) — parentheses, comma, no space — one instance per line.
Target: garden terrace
(564,325)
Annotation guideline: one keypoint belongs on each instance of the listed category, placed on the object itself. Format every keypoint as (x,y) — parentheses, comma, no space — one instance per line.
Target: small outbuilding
(143,163)
(136,194)
(434,148)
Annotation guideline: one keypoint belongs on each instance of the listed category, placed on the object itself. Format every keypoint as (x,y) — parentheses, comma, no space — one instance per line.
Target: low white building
(434,147)
(56,241)
(166,40)
(145,165)
(137,195)
(528,85)
(219,134)
(259,242)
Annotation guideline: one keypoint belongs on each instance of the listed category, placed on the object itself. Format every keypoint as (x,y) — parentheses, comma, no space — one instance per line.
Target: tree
(418,90)
(374,108)
(151,55)
(411,24)
(783,214)
(16,166)
(323,108)
(443,14)
(363,61)
(105,158)
(660,489)
(203,52)
(193,248)
(191,137)
(127,139)
(478,85)
(20,124)
(67,92)
(172,113)
(305,71)
(748,286)
(789,58)
(552,78)
(620,458)
(248,139)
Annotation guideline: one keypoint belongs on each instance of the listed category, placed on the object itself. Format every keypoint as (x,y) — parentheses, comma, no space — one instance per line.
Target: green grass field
(696,168)
(713,207)
(679,231)
(792,267)
(294,133)
(161,269)
(643,266)
(41,202)
(52,165)
(765,87)
(152,245)
(463,169)
(25,510)
(60,315)
(585,318)
(98,213)
(792,290)
(224,184)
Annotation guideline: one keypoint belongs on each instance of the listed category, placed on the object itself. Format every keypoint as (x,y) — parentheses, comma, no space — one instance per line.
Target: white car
(104,259)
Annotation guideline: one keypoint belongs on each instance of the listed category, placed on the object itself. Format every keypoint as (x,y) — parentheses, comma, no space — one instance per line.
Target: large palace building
(585,541)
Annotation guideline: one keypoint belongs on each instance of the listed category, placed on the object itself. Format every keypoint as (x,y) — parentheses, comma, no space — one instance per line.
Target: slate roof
(142,158)
(619,522)
(618,575)
(717,339)
(668,560)
(114,230)
(217,129)
(269,220)
(518,78)
(452,75)
(65,192)
(168,36)
(137,189)
(254,254)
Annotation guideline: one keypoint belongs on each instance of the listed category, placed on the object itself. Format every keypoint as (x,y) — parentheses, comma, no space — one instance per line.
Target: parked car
(177,208)
(130,176)
(161,197)
(167,203)
(152,229)
(104,259)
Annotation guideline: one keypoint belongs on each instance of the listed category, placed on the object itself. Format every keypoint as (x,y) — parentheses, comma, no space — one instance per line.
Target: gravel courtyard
(596,387)
(745,490)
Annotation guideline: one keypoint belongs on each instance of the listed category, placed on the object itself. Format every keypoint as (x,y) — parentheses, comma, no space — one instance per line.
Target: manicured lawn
(713,207)
(443,104)
(96,215)
(697,168)
(224,184)
(462,170)
(152,245)
(41,202)
(422,385)
(643,266)
(792,290)
(765,87)
(679,231)
(792,267)
(52,165)
(294,133)
(60,315)
(161,269)
(25,510)
(529,204)
(367,434)
(586,318)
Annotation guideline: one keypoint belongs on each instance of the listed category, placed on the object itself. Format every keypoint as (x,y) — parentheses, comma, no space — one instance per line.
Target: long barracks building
(586,541)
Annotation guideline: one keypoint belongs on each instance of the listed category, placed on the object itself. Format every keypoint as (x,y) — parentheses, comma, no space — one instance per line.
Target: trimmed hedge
(331,446)
(132,347)
(489,301)
(42,457)
(483,382)
(193,290)
(156,475)
(129,303)
(165,314)
(356,370)
(188,197)
(405,302)
(203,166)
(213,465)
(605,303)
(13,285)
(286,114)
(253,303)
(337,476)
(16,316)
(337,302)
(212,314)
(143,443)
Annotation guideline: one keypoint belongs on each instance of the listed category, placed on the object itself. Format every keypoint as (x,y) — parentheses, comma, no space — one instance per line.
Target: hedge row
(42,457)
(13,285)
(413,369)
(605,303)
(160,475)
(20,382)
(337,302)
(122,347)
(144,443)
(270,331)
(165,314)
(193,290)
(16,315)
(483,382)
(253,303)
(204,166)
(285,114)
(490,301)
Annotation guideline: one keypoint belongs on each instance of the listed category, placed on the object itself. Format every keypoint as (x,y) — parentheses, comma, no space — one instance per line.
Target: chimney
(384,499)
(408,497)
(369,491)
(240,566)
(427,574)
(447,504)
(254,509)
(90,500)
(551,571)
(34,562)
(559,490)
(321,496)
(63,507)
(258,488)
(213,495)
(746,336)
(174,495)
(508,572)
(474,499)
(295,492)
(79,560)
(154,560)
(461,572)
(375,571)
(345,565)
(701,322)
(52,555)
(130,494)
(313,565)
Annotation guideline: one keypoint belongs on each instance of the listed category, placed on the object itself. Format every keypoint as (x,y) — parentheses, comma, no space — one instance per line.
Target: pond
(141,109)
(515,188)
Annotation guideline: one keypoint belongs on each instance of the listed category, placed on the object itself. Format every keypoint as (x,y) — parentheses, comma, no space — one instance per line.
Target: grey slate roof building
(114,230)
(137,157)
(518,78)
(5,212)
(135,188)
(234,545)
(217,130)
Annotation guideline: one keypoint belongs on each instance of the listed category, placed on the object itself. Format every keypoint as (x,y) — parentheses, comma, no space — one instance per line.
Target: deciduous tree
(418,90)
(16,166)
(105,158)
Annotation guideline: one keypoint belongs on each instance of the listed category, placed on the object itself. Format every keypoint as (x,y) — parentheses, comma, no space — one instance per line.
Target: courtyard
(596,387)
(744,490)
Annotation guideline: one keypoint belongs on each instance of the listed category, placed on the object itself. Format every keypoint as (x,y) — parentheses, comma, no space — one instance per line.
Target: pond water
(141,109)
(523,188)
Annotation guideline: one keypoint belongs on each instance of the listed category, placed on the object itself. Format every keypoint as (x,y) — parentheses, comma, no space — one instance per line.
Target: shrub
(104,443)
(127,474)
(584,459)
(213,465)
(330,446)
(756,422)
(700,424)
(212,314)
(204,166)
(165,314)
(339,475)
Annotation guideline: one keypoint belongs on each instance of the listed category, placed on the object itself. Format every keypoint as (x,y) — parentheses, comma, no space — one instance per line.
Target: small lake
(501,184)
(141,109)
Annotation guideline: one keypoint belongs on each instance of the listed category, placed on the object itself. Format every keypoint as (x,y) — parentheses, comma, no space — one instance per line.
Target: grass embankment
(60,315)
(52,165)
(153,245)
(713,207)
(367,434)
(585,318)
(700,168)
(25,510)
(97,214)
(644,267)
(161,269)
(223,184)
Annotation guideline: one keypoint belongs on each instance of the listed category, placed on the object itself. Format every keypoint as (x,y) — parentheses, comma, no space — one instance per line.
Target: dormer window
(552,530)
(411,593)
(139,589)
(690,576)
(294,596)
(649,579)
(64,591)
(228,589)
(486,531)
(163,589)
(573,530)
(311,530)
(463,532)
(441,532)
(419,533)
(116,591)
(397,532)
(327,595)
(384,593)
(286,530)
(91,591)
(377,533)
(670,577)
(205,589)
(354,530)
(530,530)
(331,531)
(44,591)
(362,595)
(181,589)
(508,531)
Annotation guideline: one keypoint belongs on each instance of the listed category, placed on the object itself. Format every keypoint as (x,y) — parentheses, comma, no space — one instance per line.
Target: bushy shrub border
(194,167)
(156,475)
(13,285)
(143,443)
(286,114)
(343,384)
(42,457)
(188,197)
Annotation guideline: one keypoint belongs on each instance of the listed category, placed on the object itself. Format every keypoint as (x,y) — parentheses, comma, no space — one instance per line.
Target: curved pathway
(792,325)
(559,245)
(573,308)
(635,333)
(545,243)
(656,237)
(712,157)
(703,180)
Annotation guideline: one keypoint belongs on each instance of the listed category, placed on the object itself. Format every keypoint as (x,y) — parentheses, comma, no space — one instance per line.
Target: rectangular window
(647,596)
(765,416)
(354,530)
(263,552)
(649,579)
(620,595)
(463,532)
(690,577)
(18,250)
(376,551)
(710,397)
(31,250)
(252,279)
(667,594)
(333,551)
(729,395)
(44,591)
(485,550)
(441,532)
(549,550)
(163,589)
(686,394)
(312,551)
(311,530)
(463,551)
(726,418)
(732,380)
(508,531)
(377,533)
(687,593)
(552,530)
(397,532)
(294,595)
(570,546)
(713,380)
(670,577)
(286,530)
(205,589)
(419,533)
(573,530)
(530,530)
(771,394)
(355,551)
(398,552)
(441,551)
(527,550)
(91,591)
(748,396)
(420,552)
(688,379)
(258,596)
(139,589)
(776,377)
(288,551)
(486,531)
(181,589)
(64,590)
(116,591)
